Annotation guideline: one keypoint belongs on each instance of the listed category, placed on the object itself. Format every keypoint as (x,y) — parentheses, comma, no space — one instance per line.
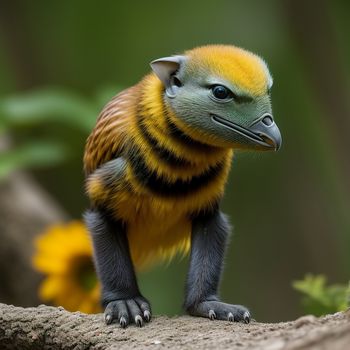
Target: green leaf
(33,108)
(32,155)
(319,299)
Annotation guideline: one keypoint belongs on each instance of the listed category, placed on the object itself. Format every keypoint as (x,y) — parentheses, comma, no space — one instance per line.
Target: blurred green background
(60,62)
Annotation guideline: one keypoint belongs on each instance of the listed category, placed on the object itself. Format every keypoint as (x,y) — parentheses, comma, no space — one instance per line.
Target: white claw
(212,314)
(138,320)
(147,315)
(122,322)
(108,318)
(230,316)
(246,317)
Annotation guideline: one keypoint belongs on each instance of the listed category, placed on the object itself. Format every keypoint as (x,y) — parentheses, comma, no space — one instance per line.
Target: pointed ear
(165,67)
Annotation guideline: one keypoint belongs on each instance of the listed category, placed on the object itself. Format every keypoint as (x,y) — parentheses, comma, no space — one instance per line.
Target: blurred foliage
(321,299)
(25,112)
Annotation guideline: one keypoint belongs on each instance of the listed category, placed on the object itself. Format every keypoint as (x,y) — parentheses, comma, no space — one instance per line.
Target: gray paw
(221,311)
(125,311)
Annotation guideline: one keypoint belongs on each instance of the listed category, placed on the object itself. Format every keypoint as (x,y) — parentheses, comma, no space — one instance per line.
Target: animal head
(221,94)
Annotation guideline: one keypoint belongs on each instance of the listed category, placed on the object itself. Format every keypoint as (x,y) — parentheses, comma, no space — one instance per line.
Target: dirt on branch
(46,327)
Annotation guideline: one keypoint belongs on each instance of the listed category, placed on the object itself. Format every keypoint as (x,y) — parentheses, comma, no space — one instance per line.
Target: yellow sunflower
(64,255)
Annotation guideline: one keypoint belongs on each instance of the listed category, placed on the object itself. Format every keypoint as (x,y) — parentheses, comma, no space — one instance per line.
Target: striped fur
(169,175)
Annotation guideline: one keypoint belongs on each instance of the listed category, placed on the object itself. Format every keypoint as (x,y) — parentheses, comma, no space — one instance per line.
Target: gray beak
(263,132)
(267,130)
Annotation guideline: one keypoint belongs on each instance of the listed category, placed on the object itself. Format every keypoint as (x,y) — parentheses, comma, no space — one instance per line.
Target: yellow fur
(158,226)
(152,103)
(242,68)
(95,188)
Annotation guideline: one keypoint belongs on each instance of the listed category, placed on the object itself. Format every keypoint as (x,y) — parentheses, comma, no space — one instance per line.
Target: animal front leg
(208,243)
(121,297)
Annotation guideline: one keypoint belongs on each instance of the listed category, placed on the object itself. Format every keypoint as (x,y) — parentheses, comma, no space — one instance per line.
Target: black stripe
(161,186)
(161,152)
(186,140)
(206,211)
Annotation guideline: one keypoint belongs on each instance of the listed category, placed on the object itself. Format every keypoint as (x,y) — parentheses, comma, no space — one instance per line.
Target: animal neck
(164,141)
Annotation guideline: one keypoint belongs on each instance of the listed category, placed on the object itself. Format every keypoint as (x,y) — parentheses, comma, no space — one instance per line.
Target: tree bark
(48,327)
(25,211)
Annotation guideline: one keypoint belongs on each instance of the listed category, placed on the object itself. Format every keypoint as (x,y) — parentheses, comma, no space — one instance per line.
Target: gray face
(221,111)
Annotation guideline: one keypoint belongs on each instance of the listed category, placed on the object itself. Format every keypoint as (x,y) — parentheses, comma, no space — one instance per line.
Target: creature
(156,165)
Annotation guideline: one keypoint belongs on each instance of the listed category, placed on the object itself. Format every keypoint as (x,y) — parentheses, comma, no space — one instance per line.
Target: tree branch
(48,327)
(25,211)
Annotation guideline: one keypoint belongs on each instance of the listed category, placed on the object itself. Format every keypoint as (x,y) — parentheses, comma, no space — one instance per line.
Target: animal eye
(176,81)
(221,92)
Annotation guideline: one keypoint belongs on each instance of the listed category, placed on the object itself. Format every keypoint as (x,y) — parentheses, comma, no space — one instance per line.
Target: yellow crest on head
(242,68)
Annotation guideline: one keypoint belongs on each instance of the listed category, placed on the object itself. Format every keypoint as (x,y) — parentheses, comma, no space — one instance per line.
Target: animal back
(109,137)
